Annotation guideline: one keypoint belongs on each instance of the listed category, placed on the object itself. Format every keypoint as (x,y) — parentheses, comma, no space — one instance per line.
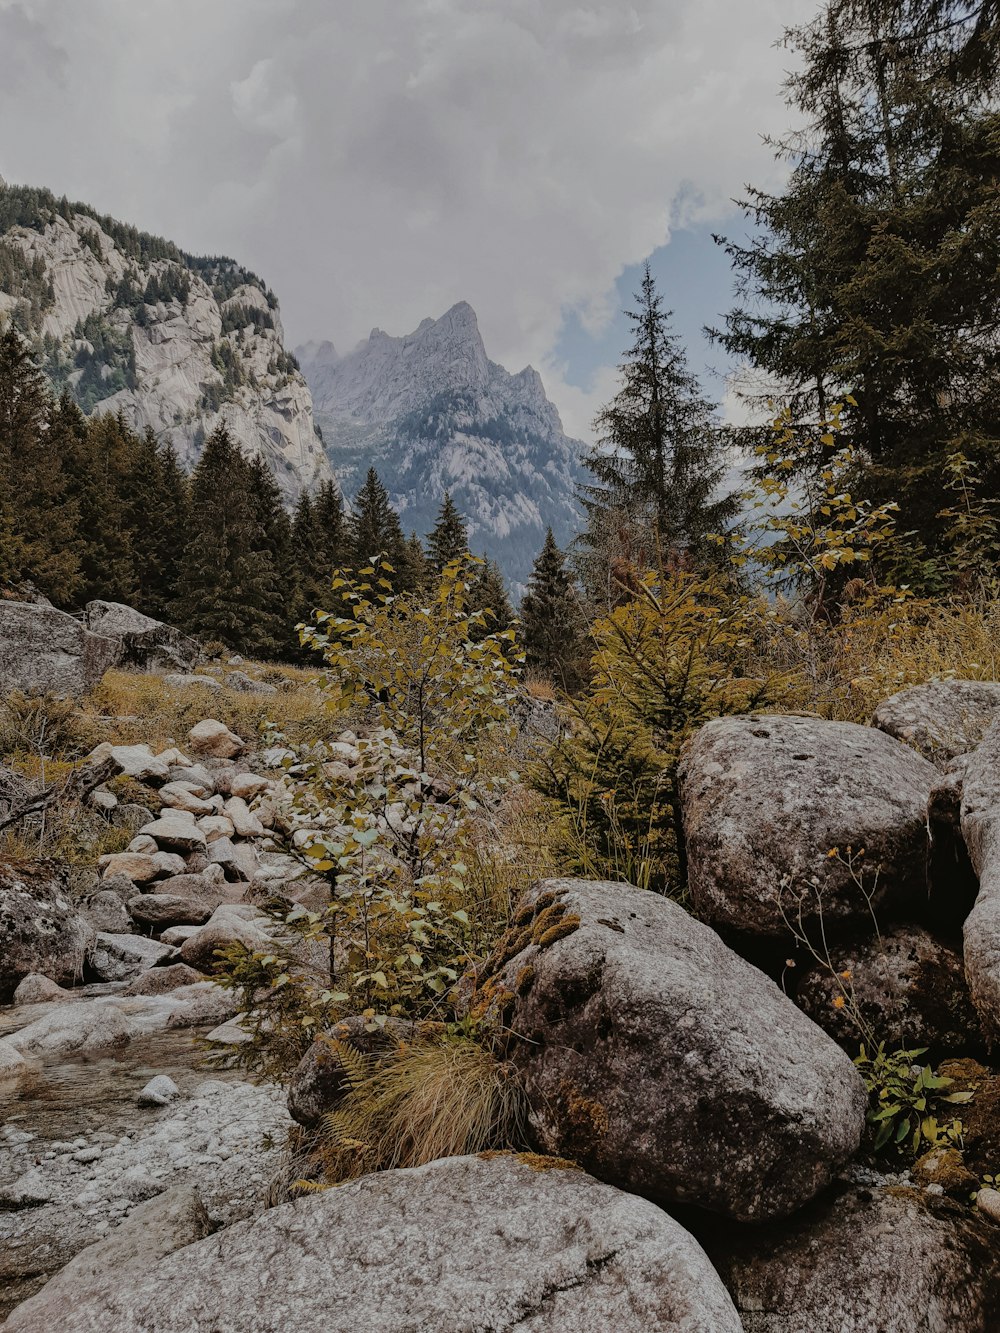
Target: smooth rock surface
(214,740)
(143,642)
(458,1246)
(943,718)
(120,957)
(663,1062)
(765,801)
(46,651)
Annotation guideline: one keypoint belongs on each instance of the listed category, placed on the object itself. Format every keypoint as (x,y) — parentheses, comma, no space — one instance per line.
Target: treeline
(91,509)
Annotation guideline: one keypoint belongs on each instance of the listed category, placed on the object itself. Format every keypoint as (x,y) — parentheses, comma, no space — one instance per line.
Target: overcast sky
(377,160)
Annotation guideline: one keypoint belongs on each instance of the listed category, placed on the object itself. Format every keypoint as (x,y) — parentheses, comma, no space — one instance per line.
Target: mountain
(433,413)
(129,323)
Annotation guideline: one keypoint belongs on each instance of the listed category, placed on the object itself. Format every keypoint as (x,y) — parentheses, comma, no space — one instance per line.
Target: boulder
(952,882)
(246,824)
(772,804)
(161,980)
(45,651)
(239,680)
(177,935)
(36,989)
(74,1026)
(175,831)
(981,828)
(182,796)
(216,826)
(163,1224)
(942,719)
(194,776)
(120,957)
(40,930)
(662,1061)
(159,1091)
(160,911)
(134,761)
(319,1081)
(248,785)
(107,911)
(138,866)
(142,642)
(225,927)
(891,1261)
(203,889)
(214,739)
(908,988)
(455,1246)
(170,863)
(202,1005)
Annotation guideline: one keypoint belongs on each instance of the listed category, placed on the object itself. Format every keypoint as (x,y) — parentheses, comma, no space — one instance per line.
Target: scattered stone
(195,776)
(943,718)
(214,739)
(662,1061)
(130,816)
(224,928)
(143,844)
(231,1033)
(768,800)
(246,824)
(501,1242)
(138,866)
(239,680)
(248,785)
(181,796)
(159,1091)
(37,989)
(177,681)
(161,980)
(170,863)
(85,1026)
(46,651)
(907,987)
(40,929)
(176,831)
(216,826)
(103,800)
(176,935)
(988,1203)
(135,761)
(106,911)
(160,911)
(888,1260)
(120,957)
(27,1191)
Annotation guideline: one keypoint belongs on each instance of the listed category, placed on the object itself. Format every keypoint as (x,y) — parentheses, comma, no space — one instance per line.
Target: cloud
(378,160)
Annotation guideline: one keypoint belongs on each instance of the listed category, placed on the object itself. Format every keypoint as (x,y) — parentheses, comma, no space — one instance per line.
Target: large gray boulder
(45,651)
(942,719)
(767,799)
(40,930)
(458,1246)
(142,642)
(981,827)
(665,1063)
(877,1261)
(908,988)
(156,1228)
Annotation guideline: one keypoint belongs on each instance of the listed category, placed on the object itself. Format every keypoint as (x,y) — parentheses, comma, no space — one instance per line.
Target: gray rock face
(163,1224)
(909,988)
(942,719)
(665,1063)
(45,651)
(456,1246)
(891,1262)
(160,980)
(224,928)
(121,957)
(106,911)
(40,931)
(144,643)
(160,911)
(981,827)
(765,801)
(319,1081)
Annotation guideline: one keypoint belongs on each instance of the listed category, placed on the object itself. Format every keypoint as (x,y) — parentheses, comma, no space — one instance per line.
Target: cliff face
(129,323)
(433,413)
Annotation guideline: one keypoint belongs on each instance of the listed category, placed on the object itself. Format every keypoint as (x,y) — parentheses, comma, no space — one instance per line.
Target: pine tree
(449,538)
(273,565)
(552,620)
(100,456)
(38,518)
(417,570)
(489,594)
(376,530)
(874,273)
(333,536)
(658,462)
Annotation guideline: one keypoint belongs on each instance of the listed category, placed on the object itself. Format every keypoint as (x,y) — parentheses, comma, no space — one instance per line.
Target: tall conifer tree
(551,619)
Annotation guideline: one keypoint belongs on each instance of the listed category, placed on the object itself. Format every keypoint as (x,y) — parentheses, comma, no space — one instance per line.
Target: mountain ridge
(433,413)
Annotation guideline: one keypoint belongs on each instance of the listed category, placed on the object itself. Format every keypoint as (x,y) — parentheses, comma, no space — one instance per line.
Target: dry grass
(418,1104)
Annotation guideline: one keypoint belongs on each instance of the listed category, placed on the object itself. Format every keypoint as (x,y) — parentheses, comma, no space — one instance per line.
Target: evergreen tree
(449,538)
(333,536)
(417,571)
(658,462)
(100,455)
(272,634)
(551,619)
(164,545)
(38,518)
(489,594)
(376,530)
(875,272)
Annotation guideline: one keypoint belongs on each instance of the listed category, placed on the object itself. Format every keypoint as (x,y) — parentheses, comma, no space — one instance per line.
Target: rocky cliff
(433,413)
(129,323)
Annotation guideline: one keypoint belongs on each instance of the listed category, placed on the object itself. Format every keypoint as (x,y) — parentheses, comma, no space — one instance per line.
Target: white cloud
(377,160)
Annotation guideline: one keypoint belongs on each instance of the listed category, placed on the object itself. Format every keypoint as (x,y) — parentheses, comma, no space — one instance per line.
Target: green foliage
(376,532)
(552,619)
(449,539)
(907,1099)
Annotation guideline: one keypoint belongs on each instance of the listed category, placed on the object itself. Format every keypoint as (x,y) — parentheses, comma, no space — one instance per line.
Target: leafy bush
(906,1100)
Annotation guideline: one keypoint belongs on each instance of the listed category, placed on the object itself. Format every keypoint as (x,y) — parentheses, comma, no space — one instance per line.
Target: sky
(376,161)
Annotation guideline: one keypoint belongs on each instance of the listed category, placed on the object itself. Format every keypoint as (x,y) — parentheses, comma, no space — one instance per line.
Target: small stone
(248,785)
(988,1203)
(139,866)
(176,681)
(213,738)
(36,989)
(176,831)
(159,1091)
(245,822)
(89,1154)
